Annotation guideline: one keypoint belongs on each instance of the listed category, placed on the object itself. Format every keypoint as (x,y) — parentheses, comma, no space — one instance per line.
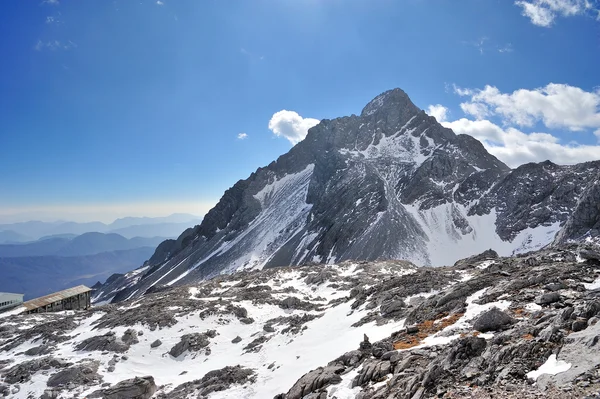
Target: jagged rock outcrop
(355,181)
(135,388)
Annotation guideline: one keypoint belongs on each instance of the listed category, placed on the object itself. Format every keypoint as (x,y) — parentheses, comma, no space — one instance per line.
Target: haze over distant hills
(128,227)
(38,258)
(84,244)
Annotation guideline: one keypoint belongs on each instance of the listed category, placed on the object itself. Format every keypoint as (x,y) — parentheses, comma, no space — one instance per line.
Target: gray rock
(130,337)
(579,324)
(39,350)
(190,342)
(492,320)
(391,308)
(315,380)
(548,298)
(80,374)
(214,381)
(156,343)
(236,340)
(107,342)
(135,388)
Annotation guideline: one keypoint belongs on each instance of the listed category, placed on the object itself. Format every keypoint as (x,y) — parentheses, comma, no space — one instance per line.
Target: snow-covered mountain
(390,183)
(487,327)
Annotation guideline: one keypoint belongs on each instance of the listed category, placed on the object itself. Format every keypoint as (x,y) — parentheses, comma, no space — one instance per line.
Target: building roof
(57,296)
(10,293)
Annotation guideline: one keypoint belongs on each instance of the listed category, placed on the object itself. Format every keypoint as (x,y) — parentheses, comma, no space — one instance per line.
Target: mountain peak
(395,98)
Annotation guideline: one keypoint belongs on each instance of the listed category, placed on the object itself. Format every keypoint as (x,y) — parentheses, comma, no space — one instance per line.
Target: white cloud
(242,136)
(160,3)
(290,125)
(515,148)
(555,105)
(439,112)
(51,2)
(508,48)
(544,12)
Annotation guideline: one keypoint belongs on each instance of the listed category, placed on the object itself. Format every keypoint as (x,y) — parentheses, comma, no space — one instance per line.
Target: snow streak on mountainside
(391,183)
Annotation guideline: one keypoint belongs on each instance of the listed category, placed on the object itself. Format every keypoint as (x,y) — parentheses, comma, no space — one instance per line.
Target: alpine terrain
(383,257)
(391,183)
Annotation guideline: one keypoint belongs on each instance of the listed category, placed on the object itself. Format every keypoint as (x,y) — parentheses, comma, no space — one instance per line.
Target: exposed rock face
(492,320)
(192,343)
(136,388)
(22,372)
(107,342)
(481,328)
(81,374)
(314,381)
(355,181)
(214,381)
(584,221)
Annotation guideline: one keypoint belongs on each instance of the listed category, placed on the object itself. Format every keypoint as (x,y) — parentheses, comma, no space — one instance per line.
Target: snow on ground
(552,366)
(448,244)
(324,339)
(485,264)
(12,312)
(593,285)
(533,307)
(464,323)
(344,389)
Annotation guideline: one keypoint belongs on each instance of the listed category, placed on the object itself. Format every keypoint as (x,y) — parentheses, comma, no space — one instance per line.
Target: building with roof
(70,299)
(9,300)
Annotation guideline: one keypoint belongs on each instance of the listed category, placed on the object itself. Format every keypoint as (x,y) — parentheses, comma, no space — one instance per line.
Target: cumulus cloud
(160,3)
(555,105)
(544,12)
(438,111)
(242,136)
(290,125)
(515,148)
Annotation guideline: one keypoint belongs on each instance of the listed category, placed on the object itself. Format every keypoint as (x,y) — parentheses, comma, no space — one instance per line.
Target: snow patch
(552,367)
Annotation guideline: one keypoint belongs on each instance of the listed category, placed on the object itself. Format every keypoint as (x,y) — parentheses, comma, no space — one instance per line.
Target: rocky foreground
(487,327)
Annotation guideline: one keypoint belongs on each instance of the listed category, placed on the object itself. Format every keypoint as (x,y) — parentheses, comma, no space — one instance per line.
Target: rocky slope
(487,327)
(390,183)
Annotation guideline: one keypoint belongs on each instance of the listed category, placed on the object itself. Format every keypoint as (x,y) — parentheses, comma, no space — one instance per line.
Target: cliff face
(390,183)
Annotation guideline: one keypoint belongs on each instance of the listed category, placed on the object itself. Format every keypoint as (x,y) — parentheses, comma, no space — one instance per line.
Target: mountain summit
(391,183)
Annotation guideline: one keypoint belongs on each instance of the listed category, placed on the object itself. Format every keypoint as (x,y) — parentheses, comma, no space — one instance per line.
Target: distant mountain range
(85,244)
(36,276)
(129,227)
(60,258)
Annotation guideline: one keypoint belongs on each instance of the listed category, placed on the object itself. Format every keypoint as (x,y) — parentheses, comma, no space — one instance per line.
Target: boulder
(80,374)
(135,388)
(492,320)
(214,381)
(107,342)
(192,342)
(156,343)
(315,380)
(547,298)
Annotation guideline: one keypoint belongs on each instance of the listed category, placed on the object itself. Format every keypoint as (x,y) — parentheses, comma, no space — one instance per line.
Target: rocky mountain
(488,327)
(390,183)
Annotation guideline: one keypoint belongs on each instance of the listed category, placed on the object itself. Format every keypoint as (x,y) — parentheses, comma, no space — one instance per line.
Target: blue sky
(114,108)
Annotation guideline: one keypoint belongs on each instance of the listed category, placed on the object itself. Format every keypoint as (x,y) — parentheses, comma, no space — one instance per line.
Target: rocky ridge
(487,327)
(392,171)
